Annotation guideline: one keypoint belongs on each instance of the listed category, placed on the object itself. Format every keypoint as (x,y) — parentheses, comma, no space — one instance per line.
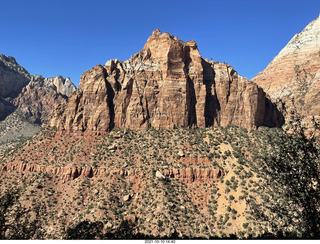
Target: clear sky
(67,37)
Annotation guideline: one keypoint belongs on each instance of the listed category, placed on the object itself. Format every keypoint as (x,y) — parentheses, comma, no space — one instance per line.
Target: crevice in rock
(210,100)
(191,103)
(191,94)
(110,97)
(127,99)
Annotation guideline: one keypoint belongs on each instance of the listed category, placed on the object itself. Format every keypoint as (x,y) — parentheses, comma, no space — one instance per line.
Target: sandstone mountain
(26,101)
(13,77)
(34,97)
(137,181)
(292,79)
(165,85)
(38,99)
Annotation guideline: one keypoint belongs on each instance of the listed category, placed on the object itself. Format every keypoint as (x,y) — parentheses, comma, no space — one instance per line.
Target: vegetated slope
(292,79)
(14,129)
(165,85)
(196,183)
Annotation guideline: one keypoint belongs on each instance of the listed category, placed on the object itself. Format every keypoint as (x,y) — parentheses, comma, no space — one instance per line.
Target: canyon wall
(165,85)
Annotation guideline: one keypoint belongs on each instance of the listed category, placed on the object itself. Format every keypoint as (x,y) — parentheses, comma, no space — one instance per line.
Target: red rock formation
(166,85)
(34,97)
(36,101)
(186,175)
(66,173)
(189,175)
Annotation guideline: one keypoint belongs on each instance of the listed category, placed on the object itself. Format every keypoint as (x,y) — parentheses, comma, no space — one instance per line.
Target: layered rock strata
(292,78)
(165,85)
(186,175)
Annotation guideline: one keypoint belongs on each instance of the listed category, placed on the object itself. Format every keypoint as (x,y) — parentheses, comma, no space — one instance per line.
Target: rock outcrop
(5,108)
(38,99)
(61,85)
(292,78)
(186,175)
(13,77)
(165,85)
(33,97)
(189,175)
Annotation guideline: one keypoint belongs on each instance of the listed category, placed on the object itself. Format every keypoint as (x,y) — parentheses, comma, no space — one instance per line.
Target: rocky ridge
(165,85)
(187,175)
(34,97)
(13,77)
(292,78)
(38,99)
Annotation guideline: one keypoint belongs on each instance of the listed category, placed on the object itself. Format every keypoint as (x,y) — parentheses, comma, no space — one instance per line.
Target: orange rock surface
(165,85)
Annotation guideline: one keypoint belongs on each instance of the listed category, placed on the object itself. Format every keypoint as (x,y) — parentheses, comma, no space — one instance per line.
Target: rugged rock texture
(5,108)
(187,175)
(38,99)
(34,97)
(13,77)
(166,85)
(61,85)
(292,78)
(190,175)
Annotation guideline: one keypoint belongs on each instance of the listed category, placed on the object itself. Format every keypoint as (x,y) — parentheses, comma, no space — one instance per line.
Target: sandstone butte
(165,85)
(292,79)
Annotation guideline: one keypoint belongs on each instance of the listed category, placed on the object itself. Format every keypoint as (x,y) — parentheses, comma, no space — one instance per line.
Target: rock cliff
(37,100)
(292,78)
(34,97)
(13,77)
(165,85)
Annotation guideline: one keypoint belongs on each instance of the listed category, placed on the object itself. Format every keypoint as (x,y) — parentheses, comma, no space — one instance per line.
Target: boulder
(159,175)
(127,198)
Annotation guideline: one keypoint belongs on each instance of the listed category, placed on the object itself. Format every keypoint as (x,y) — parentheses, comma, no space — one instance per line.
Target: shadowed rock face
(292,79)
(165,85)
(34,97)
(38,99)
(13,77)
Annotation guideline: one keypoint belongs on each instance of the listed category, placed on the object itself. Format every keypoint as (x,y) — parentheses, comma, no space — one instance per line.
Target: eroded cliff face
(33,97)
(186,175)
(165,85)
(38,99)
(292,78)
(13,77)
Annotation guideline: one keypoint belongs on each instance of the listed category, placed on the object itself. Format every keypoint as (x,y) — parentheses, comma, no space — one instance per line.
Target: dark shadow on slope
(291,166)
(6,108)
(191,98)
(110,97)
(212,104)
(191,103)
(272,117)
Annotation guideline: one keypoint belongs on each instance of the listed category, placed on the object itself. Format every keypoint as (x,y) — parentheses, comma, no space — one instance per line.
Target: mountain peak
(166,38)
(291,77)
(306,40)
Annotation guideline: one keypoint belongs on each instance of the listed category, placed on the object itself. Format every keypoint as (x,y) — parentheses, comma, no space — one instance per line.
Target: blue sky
(66,37)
